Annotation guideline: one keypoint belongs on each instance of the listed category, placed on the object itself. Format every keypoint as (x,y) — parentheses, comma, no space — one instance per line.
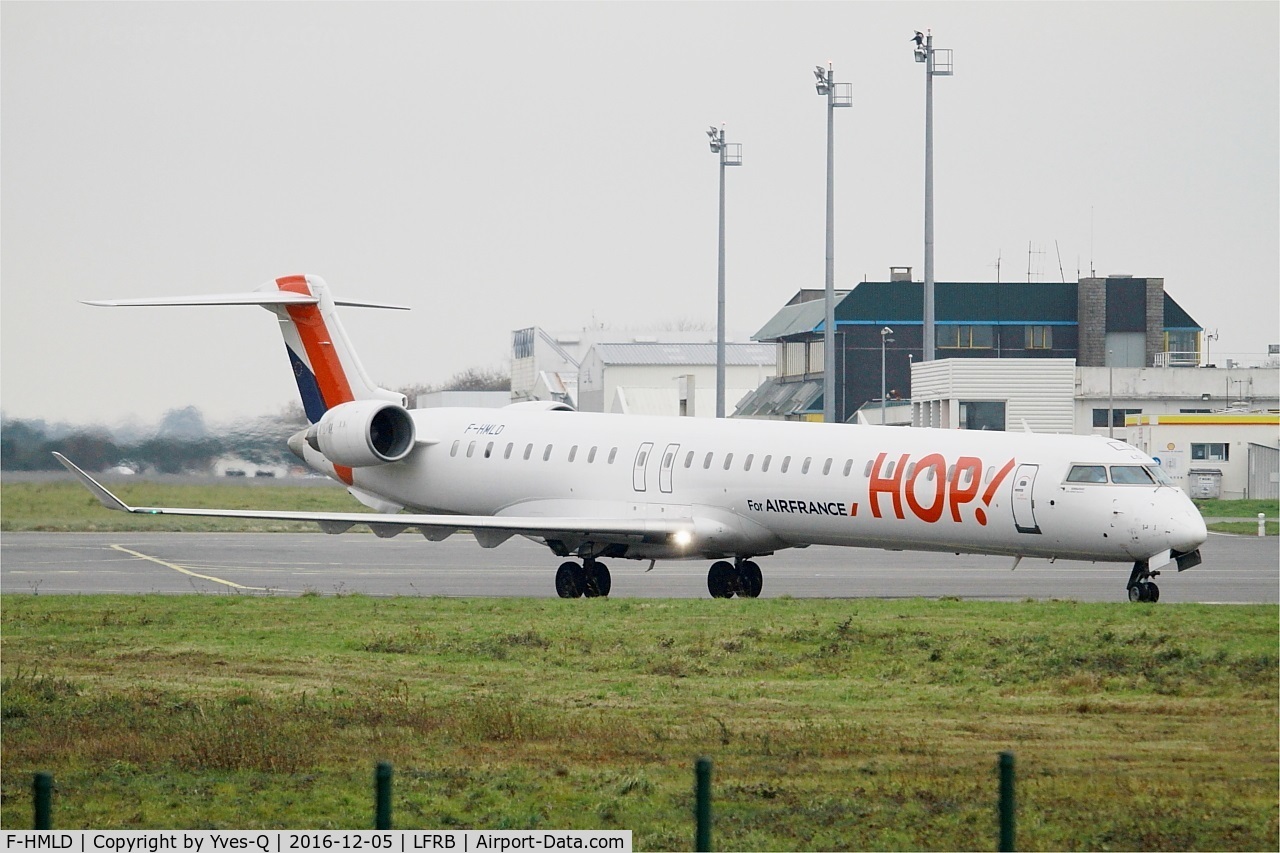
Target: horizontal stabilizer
(263,298)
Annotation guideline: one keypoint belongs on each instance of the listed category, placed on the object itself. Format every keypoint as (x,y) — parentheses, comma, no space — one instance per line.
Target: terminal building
(1114,322)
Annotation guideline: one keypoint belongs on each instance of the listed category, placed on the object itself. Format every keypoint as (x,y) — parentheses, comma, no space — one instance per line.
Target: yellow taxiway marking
(178,568)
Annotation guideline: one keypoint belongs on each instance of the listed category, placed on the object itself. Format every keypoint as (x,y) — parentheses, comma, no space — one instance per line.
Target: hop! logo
(930,489)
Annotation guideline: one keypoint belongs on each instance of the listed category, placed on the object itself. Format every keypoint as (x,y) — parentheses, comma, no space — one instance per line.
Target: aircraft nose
(1186,529)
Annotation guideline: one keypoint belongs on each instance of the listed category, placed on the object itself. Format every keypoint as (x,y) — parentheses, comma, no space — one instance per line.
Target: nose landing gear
(1140,588)
(743,578)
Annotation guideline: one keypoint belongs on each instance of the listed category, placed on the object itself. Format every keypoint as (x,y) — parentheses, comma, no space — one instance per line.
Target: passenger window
(573,452)
(488,450)
(668,459)
(546,454)
(688,459)
(848,467)
(888,470)
(826,468)
(471,448)
(728,460)
(911,469)
(1131,475)
(786,463)
(867,471)
(591,455)
(612,453)
(706,463)
(454,450)
(1087,474)
(643,458)
(528,451)
(747,465)
(764,466)
(804,469)
(510,446)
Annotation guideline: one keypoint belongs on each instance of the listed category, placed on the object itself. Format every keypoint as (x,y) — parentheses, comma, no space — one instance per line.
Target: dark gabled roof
(955,301)
(1175,317)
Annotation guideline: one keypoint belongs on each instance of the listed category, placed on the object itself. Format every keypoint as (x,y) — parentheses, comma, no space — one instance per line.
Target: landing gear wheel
(1140,587)
(722,579)
(568,578)
(598,581)
(750,580)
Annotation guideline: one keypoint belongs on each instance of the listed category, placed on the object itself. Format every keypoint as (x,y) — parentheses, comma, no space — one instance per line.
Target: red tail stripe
(332,379)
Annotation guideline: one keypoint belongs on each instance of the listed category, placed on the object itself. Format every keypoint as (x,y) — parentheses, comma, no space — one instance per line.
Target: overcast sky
(497,166)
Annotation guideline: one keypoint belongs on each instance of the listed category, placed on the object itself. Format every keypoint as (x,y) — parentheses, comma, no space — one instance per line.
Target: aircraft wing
(489,530)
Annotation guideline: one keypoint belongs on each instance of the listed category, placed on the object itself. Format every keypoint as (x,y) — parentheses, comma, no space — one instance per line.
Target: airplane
(592,487)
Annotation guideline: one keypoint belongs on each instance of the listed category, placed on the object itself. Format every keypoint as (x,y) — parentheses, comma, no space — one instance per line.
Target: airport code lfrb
(295,841)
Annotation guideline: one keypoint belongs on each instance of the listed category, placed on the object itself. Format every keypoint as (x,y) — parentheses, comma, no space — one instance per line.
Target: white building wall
(1170,391)
(1037,392)
(1169,439)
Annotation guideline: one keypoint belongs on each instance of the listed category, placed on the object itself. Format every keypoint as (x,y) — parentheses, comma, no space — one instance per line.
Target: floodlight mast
(837,95)
(730,155)
(937,64)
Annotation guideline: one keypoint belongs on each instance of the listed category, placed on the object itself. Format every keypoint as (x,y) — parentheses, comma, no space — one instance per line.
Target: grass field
(66,506)
(832,725)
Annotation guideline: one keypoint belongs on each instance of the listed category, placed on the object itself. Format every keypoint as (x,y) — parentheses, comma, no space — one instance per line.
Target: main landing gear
(590,579)
(1140,588)
(741,577)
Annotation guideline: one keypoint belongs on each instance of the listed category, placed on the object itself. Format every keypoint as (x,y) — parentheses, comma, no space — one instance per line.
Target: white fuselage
(754,487)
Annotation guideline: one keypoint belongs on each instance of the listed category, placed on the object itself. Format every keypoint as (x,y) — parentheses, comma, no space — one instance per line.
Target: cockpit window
(1131,475)
(1162,476)
(1087,474)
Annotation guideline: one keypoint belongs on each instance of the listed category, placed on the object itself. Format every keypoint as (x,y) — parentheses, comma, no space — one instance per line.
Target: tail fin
(324,364)
(323,361)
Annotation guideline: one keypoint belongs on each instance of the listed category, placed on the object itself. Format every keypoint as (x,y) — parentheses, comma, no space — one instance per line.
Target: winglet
(100,492)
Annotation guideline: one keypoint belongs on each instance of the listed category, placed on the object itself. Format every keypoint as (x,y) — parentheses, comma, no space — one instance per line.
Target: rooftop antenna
(1060,272)
(1092,273)
(999,254)
(1029,254)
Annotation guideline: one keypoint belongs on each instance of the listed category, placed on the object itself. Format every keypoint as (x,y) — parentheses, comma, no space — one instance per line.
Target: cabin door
(642,463)
(1024,505)
(668,463)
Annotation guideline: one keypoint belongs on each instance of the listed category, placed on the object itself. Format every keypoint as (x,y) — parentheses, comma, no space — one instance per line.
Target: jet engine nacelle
(363,433)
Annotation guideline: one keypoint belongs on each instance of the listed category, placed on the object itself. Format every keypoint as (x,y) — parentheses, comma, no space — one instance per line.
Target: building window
(1185,341)
(965,337)
(982,414)
(1039,337)
(1211,452)
(1117,416)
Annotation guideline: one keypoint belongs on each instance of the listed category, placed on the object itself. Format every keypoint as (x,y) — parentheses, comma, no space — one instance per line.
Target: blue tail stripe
(308,387)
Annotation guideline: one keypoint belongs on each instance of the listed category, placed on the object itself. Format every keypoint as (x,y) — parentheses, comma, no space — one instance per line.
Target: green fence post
(702,809)
(1007,805)
(382,796)
(42,790)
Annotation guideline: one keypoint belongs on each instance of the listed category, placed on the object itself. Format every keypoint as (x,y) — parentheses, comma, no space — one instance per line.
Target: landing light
(682,538)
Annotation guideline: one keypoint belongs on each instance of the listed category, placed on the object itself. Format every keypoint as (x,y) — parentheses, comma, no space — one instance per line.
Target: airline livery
(596,487)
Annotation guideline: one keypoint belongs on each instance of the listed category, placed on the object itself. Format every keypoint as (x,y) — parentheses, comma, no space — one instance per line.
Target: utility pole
(937,64)
(837,95)
(730,155)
